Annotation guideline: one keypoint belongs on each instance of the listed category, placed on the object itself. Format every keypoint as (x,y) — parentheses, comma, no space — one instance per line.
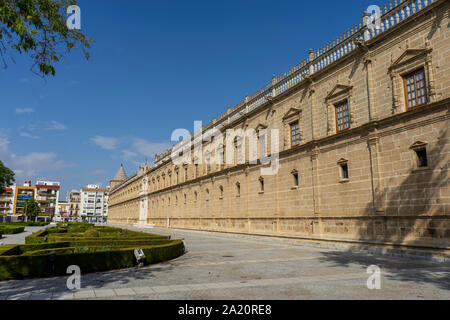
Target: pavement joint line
(84,294)
(143,290)
(104,293)
(229,285)
(63,296)
(242,261)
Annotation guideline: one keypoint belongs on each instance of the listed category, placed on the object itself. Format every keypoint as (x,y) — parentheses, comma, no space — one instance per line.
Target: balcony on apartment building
(45,199)
(47,193)
(7,192)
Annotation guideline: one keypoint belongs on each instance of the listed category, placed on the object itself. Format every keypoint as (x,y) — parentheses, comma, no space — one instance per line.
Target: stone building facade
(363,146)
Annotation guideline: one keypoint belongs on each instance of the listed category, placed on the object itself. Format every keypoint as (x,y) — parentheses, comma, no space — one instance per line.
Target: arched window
(238,189)
(221,192)
(261,184)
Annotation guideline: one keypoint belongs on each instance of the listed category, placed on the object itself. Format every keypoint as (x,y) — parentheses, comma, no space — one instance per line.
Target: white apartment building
(94,206)
(47,194)
(7,200)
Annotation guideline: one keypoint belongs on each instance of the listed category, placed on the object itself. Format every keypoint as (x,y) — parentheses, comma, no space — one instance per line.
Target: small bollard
(140,257)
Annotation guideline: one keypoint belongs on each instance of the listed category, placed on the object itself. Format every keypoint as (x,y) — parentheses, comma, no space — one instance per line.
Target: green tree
(6,177)
(31,208)
(38,28)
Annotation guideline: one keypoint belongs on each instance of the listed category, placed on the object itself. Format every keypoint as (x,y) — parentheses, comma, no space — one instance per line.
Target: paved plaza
(227,266)
(20,237)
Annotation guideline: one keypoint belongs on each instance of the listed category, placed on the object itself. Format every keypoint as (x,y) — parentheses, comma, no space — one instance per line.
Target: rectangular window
(295,179)
(342,117)
(295,133)
(422,160)
(344,171)
(415,89)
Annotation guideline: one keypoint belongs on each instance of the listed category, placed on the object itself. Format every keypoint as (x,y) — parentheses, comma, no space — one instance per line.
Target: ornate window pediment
(292,112)
(293,115)
(409,62)
(338,91)
(260,127)
(408,56)
(418,145)
(340,95)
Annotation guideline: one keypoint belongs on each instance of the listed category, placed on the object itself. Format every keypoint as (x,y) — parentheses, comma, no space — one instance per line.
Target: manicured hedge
(35,224)
(23,266)
(37,237)
(11,229)
(110,248)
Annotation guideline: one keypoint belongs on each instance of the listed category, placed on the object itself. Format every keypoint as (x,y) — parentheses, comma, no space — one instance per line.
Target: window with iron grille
(342,116)
(295,133)
(415,93)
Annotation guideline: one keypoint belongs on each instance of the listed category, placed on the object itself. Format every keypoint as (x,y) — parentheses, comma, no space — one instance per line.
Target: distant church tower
(119,178)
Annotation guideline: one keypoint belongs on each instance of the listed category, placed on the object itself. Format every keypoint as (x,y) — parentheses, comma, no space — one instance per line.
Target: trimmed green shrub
(91,248)
(33,264)
(37,237)
(11,229)
(91,233)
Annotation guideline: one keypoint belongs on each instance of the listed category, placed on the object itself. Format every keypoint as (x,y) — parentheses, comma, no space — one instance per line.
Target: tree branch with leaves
(38,28)
(6,177)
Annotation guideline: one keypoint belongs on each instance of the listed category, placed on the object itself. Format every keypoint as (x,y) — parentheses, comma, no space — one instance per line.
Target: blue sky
(155,66)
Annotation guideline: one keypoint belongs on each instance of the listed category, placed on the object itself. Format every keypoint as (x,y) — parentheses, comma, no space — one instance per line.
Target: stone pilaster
(377,186)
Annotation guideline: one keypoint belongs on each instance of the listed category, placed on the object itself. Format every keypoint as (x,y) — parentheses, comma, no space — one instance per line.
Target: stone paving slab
(219,266)
(143,290)
(84,294)
(41,296)
(25,296)
(124,292)
(104,293)
(63,296)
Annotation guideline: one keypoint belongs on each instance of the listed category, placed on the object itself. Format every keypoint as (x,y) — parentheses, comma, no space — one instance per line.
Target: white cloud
(127,154)
(149,149)
(31,165)
(47,125)
(54,125)
(24,110)
(4,142)
(27,135)
(132,149)
(108,143)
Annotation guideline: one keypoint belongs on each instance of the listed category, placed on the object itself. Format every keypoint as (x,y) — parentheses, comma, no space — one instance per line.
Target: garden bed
(11,228)
(94,249)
